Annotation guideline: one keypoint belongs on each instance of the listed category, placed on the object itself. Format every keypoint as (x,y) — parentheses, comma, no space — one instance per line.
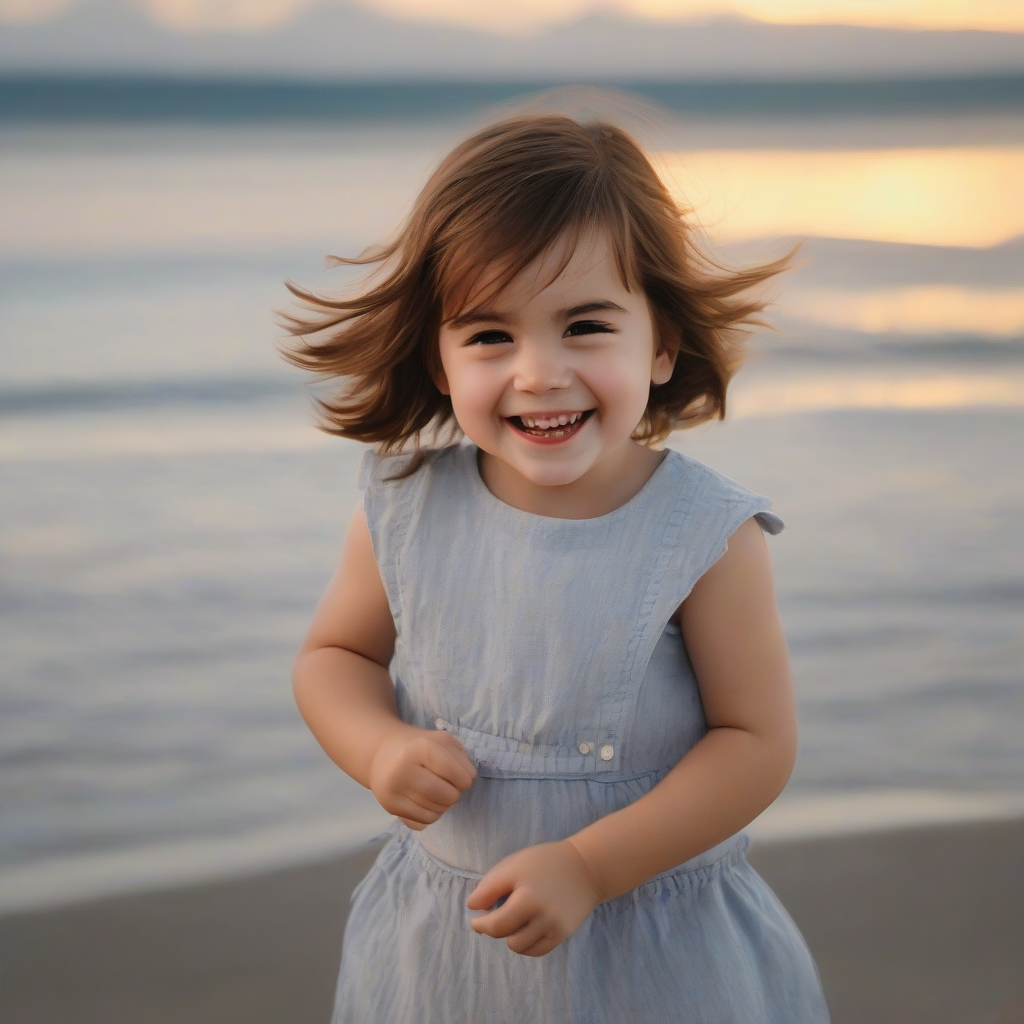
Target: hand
(549,893)
(417,774)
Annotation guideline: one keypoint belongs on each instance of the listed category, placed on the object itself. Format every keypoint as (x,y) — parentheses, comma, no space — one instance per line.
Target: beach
(173,844)
(908,925)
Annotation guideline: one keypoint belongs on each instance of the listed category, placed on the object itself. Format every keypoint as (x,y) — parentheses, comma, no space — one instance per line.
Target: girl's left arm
(731,626)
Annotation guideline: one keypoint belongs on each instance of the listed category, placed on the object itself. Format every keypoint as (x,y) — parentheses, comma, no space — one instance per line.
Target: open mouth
(551,428)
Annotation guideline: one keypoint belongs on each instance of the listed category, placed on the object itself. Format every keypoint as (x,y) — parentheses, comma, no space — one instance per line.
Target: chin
(551,476)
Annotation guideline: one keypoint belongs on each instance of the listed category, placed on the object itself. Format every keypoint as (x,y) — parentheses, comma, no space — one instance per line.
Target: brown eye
(490,338)
(582,327)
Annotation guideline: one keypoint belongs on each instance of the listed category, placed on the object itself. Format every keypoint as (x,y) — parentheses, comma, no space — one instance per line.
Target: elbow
(783,760)
(300,677)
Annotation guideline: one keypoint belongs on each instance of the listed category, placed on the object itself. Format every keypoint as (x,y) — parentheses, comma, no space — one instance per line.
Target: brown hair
(501,199)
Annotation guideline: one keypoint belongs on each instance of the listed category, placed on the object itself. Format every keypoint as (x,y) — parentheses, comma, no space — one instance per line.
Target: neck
(602,489)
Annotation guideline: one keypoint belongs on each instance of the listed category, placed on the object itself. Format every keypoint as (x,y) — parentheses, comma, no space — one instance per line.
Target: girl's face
(551,379)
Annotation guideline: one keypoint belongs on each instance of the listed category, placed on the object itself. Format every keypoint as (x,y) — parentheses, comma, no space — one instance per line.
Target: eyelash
(500,337)
(592,327)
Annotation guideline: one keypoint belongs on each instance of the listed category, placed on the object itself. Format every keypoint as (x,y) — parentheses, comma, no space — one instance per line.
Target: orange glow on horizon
(950,196)
(991,15)
(527,15)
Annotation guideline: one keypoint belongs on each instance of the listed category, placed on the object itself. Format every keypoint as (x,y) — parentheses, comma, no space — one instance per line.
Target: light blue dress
(545,646)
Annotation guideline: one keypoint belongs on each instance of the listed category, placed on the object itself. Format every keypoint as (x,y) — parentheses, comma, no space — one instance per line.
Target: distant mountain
(338,40)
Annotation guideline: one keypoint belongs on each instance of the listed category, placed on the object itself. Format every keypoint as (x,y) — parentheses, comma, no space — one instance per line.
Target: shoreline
(57,883)
(922,922)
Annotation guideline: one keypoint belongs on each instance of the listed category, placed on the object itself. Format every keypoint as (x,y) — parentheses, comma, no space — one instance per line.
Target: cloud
(199,15)
(29,12)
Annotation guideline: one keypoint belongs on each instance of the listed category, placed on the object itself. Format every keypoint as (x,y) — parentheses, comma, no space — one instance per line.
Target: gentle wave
(86,396)
(924,309)
(828,346)
(59,881)
(159,432)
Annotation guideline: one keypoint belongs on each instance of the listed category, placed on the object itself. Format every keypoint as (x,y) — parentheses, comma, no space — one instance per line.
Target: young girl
(552,649)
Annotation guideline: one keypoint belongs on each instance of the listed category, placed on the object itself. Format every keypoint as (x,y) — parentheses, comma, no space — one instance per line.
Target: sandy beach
(914,925)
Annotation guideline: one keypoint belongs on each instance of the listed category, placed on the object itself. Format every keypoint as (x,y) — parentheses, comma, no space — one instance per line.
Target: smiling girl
(551,648)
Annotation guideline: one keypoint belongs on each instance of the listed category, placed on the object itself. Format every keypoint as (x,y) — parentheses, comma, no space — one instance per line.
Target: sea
(169,514)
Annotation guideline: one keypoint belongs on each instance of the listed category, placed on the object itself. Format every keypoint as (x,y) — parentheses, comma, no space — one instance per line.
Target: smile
(550,427)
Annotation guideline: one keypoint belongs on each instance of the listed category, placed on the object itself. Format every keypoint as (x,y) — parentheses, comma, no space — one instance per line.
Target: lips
(550,426)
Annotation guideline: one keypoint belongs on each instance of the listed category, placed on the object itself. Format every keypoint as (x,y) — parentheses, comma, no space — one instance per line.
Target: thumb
(491,888)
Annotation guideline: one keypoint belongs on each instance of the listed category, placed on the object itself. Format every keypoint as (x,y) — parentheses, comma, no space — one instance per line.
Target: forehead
(580,265)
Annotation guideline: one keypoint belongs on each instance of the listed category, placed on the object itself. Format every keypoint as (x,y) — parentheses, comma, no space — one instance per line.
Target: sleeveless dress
(545,646)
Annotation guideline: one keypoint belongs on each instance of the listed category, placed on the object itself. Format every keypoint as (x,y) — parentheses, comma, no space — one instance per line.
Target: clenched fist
(417,774)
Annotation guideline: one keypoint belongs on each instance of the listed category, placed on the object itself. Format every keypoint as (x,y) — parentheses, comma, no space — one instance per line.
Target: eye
(490,338)
(583,327)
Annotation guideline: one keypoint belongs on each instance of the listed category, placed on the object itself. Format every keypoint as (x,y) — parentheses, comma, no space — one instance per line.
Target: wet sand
(920,925)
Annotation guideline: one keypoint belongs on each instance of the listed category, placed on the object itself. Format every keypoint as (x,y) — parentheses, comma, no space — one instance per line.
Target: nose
(540,368)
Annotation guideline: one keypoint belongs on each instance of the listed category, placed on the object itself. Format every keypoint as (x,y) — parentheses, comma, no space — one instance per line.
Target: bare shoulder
(354,613)
(742,575)
(734,636)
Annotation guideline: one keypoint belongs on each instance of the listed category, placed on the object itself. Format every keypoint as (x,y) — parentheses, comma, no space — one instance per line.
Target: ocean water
(169,515)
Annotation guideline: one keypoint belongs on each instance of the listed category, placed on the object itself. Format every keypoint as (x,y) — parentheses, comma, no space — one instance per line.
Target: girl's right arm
(345,694)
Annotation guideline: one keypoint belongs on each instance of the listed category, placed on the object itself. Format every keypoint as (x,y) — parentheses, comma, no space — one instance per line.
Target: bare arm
(345,694)
(734,637)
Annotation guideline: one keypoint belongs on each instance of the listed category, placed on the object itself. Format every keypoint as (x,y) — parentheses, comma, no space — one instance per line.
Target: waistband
(681,879)
(590,752)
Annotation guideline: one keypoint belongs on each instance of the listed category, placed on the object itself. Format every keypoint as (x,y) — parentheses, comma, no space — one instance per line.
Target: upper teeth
(546,423)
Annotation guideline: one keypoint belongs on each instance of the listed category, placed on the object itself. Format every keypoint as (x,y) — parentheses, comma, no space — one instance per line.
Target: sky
(526,15)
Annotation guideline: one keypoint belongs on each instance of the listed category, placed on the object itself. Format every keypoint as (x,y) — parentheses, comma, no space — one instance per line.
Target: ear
(440,379)
(665,351)
(435,367)
(662,365)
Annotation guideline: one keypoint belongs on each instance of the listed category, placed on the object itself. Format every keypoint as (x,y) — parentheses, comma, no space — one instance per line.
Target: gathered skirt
(697,945)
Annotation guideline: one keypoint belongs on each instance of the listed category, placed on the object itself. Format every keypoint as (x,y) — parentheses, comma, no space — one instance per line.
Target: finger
(434,792)
(517,911)
(404,807)
(529,935)
(542,947)
(449,761)
(447,757)
(416,826)
(495,884)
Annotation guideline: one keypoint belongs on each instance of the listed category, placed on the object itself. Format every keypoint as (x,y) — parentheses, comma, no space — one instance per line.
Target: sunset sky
(1000,15)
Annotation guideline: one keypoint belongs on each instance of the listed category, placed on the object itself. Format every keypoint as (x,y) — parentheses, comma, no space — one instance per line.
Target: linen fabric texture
(545,645)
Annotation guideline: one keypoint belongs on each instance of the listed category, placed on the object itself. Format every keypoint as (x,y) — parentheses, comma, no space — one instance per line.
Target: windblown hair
(500,200)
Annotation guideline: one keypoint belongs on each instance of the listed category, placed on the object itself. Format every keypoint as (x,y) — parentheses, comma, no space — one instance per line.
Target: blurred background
(169,515)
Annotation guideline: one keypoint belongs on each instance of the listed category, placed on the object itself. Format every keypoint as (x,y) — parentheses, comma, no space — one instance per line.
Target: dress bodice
(546,645)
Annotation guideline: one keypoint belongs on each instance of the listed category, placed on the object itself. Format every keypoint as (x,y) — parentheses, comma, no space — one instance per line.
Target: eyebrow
(487,316)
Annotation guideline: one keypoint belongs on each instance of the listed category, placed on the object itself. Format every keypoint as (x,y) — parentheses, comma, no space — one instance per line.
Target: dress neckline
(509,513)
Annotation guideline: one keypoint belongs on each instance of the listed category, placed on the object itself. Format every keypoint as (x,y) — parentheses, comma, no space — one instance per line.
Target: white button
(607,752)
(585,747)
(439,723)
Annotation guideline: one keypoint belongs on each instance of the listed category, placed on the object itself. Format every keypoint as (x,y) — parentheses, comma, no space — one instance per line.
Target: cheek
(623,386)
(475,390)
